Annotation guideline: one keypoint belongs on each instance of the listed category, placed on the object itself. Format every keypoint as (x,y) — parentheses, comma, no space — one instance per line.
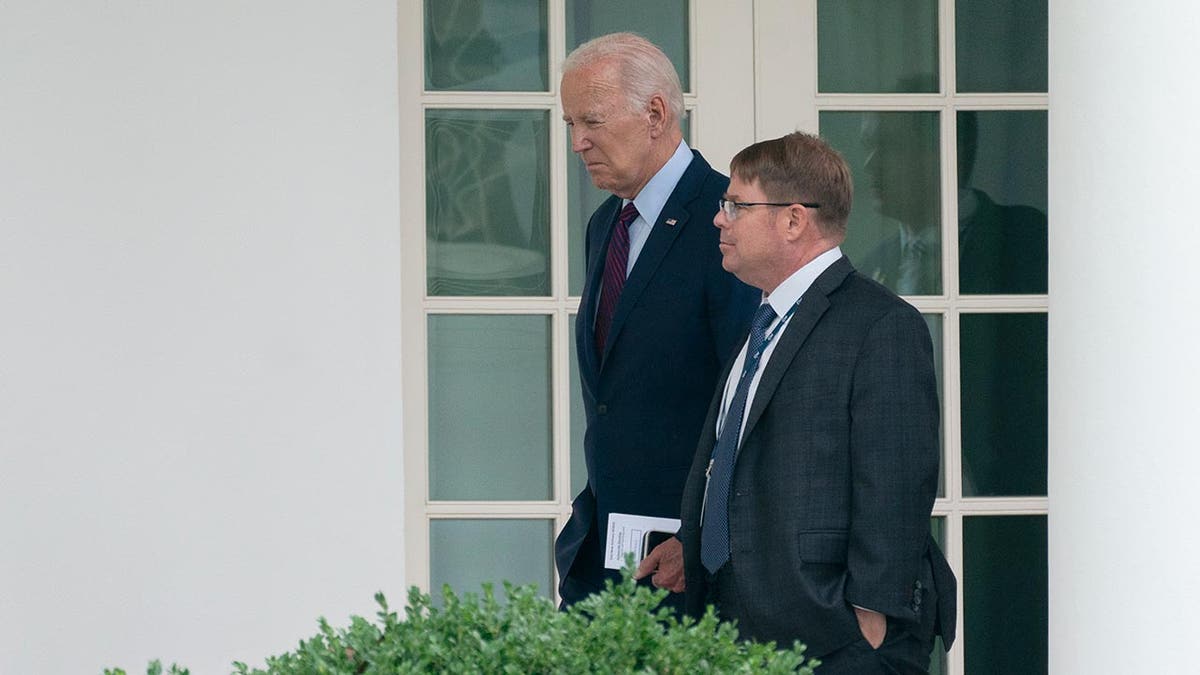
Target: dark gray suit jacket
(836,476)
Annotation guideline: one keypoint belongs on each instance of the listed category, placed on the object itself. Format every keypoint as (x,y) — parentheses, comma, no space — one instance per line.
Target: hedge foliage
(617,631)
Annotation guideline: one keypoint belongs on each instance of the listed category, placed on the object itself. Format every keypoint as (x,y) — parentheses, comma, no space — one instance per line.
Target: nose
(719,220)
(579,140)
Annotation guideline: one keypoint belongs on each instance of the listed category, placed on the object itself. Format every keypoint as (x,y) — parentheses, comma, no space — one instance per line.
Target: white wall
(200,442)
(1124,367)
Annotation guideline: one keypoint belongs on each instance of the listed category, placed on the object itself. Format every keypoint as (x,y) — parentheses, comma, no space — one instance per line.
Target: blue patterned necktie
(613,282)
(714,532)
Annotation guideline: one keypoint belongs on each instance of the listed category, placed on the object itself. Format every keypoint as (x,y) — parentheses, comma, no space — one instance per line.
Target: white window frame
(787,99)
(722,87)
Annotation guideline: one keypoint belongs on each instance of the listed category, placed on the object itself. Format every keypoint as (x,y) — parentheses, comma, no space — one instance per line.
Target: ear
(801,224)
(657,110)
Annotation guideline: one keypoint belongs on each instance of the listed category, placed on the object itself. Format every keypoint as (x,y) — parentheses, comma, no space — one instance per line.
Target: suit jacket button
(602,409)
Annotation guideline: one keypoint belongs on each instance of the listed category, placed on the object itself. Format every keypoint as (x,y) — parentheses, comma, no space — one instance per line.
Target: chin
(603,180)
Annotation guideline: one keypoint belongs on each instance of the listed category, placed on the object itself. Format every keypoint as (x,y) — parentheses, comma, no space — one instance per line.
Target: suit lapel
(813,305)
(672,219)
(590,368)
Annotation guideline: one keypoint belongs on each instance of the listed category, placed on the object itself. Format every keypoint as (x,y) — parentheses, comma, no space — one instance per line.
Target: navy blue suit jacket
(679,317)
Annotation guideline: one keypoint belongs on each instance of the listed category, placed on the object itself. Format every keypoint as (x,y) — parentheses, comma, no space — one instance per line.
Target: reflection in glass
(579,472)
(476,45)
(489,407)
(582,199)
(937,660)
(1002,201)
(1004,595)
(934,322)
(894,235)
(663,22)
(877,46)
(1000,45)
(467,553)
(1003,404)
(487,197)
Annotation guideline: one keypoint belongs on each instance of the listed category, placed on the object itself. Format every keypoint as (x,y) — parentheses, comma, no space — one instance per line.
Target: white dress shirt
(651,200)
(782,298)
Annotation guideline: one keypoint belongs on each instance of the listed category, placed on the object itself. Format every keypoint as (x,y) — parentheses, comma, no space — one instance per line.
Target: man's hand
(873,626)
(665,562)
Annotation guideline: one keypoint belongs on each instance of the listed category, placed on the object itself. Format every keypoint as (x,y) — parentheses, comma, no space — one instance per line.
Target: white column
(1124,556)
(200,433)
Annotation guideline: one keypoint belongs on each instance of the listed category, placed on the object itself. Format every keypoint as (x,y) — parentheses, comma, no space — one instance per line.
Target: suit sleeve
(894,453)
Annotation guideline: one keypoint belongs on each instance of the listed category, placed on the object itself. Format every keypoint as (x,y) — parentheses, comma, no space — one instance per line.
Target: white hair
(642,68)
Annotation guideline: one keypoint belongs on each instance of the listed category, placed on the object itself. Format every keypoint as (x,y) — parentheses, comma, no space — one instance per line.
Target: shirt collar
(789,292)
(653,197)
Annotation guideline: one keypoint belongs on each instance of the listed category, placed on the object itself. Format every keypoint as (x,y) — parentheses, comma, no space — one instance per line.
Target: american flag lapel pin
(671,222)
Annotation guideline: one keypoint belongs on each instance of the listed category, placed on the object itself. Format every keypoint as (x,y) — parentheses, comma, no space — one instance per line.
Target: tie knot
(762,318)
(628,214)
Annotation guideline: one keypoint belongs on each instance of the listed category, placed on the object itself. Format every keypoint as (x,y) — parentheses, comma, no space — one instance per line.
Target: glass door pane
(663,22)
(465,553)
(1004,585)
(1004,422)
(877,46)
(482,45)
(1001,45)
(894,235)
(487,202)
(489,407)
(1002,200)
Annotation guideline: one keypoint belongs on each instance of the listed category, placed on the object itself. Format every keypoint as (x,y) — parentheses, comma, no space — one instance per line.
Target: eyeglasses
(731,209)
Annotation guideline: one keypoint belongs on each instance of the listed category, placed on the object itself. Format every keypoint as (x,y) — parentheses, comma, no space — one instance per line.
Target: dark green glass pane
(937,528)
(582,200)
(937,660)
(486,45)
(1002,201)
(663,22)
(465,554)
(578,422)
(1000,45)
(1003,404)
(934,322)
(487,202)
(489,407)
(1004,595)
(877,46)
(894,234)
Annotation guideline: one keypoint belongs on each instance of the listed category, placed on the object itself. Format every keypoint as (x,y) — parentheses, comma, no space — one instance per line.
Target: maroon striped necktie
(614,274)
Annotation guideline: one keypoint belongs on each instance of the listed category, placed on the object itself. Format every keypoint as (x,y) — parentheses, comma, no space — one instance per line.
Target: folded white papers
(626,533)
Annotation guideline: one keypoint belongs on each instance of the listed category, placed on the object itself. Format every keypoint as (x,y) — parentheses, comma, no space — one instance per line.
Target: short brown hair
(797,168)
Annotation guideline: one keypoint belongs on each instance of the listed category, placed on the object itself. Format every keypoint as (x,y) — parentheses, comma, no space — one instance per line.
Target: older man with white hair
(658,315)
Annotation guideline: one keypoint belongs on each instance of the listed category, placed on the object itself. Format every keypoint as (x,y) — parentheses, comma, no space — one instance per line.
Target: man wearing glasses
(806,511)
(658,315)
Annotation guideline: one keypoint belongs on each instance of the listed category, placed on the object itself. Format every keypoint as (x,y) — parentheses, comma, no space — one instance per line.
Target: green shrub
(617,631)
